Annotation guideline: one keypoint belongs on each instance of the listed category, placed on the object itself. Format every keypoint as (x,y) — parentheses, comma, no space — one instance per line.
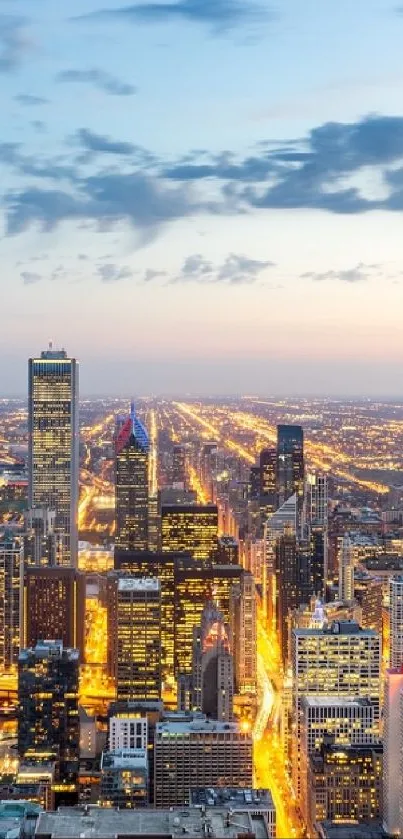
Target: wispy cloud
(29,101)
(110,273)
(360,273)
(30,278)
(219,16)
(235,270)
(100,144)
(99,79)
(14,43)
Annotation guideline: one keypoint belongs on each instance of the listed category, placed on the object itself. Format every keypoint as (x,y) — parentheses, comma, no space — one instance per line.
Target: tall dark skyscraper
(11,570)
(268,471)
(132,507)
(290,463)
(53,443)
(54,606)
(48,722)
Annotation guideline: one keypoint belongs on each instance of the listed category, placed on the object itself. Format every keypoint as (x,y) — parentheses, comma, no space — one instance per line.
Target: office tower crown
(132,427)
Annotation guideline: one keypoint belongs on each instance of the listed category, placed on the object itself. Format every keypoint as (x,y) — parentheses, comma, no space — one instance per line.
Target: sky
(203,196)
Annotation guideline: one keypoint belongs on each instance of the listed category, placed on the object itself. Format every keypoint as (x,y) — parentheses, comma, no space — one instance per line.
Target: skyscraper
(341,660)
(396,621)
(392,751)
(268,472)
(290,463)
(11,571)
(288,586)
(132,484)
(191,528)
(53,443)
(243,625)
(48,721)
(54,607)
(136,627)
(213,666)
(346,569)
(41,544)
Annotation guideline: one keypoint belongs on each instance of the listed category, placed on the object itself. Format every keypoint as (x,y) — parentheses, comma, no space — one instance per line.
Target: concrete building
(340,660)
(54,606)
(213,666)
(344,784)
(127,732)
(244,634)
(396,621)
(11,574)
(124,778)
(131,477)
(215,822)
(392,752)
(135,624)
(197,752)
(349,722)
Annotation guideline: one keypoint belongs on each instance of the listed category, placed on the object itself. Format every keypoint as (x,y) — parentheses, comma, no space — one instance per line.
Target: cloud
(360,273)
(100,144)
(29,101)
(110,273)
(219,16)
(105,199)
(13,42)
(235,270)
(151,275)
(30,278)
(99,79)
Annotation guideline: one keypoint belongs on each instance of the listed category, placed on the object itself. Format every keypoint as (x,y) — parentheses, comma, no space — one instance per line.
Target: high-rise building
(228,551)
(396,621)
(132,726)
(11,573)
(290,463)
(48,720)
(213,666)
(392,752)
(268,480)
(317,491)
(179,467)
(136,627)
(347,721)
(197,752)
(42,546)
(344,784)
(288,587)
(340,660)
(191,529)
(244,634)
(346,569)
(53,443)
(132,484)
(283,520)
(193,588)
(54,607)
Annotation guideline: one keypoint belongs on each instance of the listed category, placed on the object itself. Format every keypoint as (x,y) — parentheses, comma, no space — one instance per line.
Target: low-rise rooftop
(91,822)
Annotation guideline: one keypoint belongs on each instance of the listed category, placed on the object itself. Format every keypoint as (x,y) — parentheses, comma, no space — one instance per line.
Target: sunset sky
(204,196)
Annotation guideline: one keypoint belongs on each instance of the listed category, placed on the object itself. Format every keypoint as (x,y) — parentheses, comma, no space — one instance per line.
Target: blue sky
(204,196)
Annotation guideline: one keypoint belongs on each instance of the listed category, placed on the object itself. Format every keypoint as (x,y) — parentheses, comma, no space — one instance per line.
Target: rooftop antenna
(50,345)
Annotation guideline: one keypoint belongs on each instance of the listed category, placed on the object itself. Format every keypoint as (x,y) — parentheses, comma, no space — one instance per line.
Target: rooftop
(196,726)
(363,830)
(121,758)
(233,797)
(340,627)
(335,702)
(139,584)
(91,822)
(49,649)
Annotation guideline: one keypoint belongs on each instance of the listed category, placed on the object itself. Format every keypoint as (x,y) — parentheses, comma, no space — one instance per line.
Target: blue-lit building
(53,444)
(132,491)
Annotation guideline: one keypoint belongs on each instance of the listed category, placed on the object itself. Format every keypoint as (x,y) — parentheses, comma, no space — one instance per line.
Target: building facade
(11,574)
(53,444)
(131,484)
(54,607)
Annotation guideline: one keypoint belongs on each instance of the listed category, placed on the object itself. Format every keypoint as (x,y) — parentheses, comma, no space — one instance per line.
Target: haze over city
(204,197)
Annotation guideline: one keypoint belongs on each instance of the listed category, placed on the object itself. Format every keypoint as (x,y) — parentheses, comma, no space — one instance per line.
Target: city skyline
(248,150)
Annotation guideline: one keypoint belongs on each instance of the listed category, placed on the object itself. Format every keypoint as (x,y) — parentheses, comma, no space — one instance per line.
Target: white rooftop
(139,584)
